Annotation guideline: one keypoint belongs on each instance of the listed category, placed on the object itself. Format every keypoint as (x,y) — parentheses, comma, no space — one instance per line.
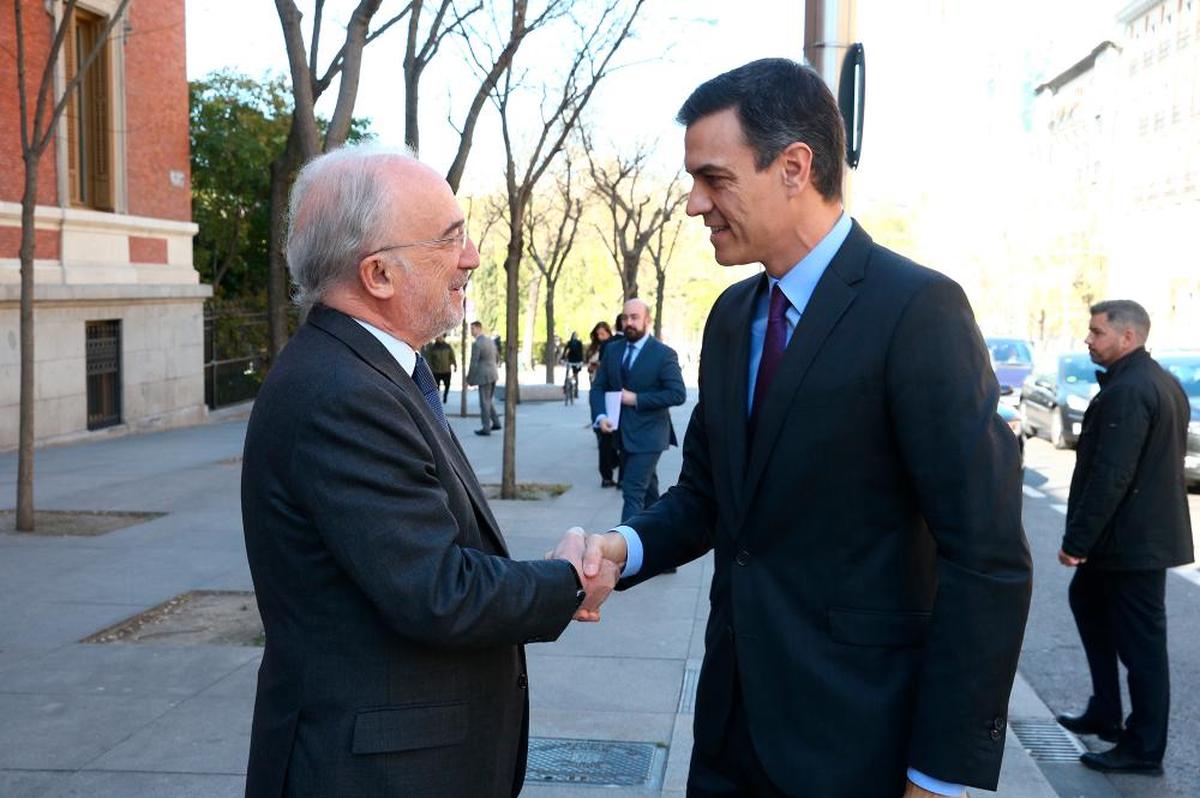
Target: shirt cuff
(935,785)
(599,418)
(633,550)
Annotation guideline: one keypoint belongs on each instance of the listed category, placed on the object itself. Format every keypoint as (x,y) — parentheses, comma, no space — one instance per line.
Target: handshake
(598,558)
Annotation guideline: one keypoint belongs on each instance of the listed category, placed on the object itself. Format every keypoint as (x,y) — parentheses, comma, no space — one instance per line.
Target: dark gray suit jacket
(656,379)
(394,617)
(871,576)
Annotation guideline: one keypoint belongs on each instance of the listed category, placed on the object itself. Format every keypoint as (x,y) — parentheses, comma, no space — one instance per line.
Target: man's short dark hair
(1125,313)
(779,102)
(478,324)
(619,322)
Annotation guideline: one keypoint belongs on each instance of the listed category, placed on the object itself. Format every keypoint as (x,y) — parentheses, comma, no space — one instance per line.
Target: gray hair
(1125,313)
(335,216)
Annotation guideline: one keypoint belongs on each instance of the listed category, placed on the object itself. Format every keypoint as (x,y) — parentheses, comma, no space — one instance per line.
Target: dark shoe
(1119,760)
(483,432)
(668,570)
(607,483)
(1084,724)
(495,426)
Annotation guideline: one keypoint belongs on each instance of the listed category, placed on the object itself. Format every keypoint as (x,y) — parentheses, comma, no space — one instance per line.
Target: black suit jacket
(394,618)
(1128,506)
(656,379)
(871,578)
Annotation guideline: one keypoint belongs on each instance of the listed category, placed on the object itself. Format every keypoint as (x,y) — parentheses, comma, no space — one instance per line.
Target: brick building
(118,306)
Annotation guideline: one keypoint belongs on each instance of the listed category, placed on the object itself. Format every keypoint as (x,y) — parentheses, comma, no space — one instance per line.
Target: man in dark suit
(847,468)
(646,372)
(1127,522)
(394,618)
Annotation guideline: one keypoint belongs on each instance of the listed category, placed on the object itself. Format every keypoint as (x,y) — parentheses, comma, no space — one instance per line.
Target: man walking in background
(440,356)
(646,372)
(1127,522)
(483,373)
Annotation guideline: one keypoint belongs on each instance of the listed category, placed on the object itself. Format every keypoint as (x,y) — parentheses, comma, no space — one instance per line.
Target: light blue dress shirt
(797,285)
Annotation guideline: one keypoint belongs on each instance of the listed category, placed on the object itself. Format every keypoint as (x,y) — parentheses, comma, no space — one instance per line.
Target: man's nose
(698,202)
(470,255)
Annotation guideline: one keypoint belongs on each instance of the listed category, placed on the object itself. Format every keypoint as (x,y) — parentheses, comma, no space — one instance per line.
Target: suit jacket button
(742,558)
(523,681)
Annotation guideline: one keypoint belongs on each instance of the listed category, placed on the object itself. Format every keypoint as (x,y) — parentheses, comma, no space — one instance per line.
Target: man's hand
(628,398)
(1069,561)
(609,546)
(599,584)
(606,426)
(913,791)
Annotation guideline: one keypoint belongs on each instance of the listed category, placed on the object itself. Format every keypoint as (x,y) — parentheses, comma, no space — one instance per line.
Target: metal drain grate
(597,762)
(1046,741)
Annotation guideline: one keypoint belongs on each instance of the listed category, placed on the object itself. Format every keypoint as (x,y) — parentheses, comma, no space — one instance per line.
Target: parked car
(1013,419)
(1186,368)
(1052,402)
(1012,360)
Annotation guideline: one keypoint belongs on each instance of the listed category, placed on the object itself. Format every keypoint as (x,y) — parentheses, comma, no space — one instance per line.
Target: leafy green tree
(238,125)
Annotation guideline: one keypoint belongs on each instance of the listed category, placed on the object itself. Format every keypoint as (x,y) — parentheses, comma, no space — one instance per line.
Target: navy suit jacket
(658,383)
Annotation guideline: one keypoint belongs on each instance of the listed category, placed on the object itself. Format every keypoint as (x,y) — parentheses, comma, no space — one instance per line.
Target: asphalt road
(1052,659)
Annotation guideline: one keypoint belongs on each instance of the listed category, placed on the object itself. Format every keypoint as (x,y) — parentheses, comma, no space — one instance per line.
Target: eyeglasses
(458,241)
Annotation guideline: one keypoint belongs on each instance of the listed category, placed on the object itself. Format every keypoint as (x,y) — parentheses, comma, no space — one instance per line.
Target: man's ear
(796,162)
(375,278)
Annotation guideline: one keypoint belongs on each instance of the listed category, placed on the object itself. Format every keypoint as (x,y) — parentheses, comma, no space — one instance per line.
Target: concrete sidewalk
(155,720)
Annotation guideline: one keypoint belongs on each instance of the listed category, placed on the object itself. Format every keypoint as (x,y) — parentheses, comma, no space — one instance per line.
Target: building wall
(134,264)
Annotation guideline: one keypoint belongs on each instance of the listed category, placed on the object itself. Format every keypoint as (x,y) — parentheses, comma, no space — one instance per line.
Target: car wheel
(1023,410)
(1056,430)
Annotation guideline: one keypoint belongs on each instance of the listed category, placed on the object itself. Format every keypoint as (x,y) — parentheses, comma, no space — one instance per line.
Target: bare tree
(661,248)
(550,236)
(36,134)
(634,215)
(560,111)
(304,140)
(419,52)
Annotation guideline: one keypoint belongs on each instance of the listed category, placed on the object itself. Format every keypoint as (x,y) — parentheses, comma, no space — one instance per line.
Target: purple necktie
(772,352)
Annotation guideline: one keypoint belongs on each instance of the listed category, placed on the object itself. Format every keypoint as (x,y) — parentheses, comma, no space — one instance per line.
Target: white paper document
(612,407)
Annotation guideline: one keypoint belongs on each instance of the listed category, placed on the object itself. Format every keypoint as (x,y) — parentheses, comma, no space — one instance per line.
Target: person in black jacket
(1127,522)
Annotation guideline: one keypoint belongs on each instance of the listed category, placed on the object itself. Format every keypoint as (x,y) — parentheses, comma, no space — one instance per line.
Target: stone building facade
(118,306)
(1119,146)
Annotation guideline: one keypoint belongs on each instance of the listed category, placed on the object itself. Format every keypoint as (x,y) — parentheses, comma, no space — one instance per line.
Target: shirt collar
(402,352)
(800,281)
(637,346)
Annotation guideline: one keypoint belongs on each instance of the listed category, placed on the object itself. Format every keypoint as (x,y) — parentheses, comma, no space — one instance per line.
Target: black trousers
(1121,615)
(609,457)
(443,378)
(734,772)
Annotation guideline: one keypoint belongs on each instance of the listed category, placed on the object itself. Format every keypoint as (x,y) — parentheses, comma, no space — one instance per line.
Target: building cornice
(1135,9)
(48,217)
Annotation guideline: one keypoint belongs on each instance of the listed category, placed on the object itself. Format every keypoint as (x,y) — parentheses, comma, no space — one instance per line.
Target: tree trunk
(25,432)
(512,268)
(629,277)
(462,370)
(549,333)
(277,280)
(660,292)
(531,300)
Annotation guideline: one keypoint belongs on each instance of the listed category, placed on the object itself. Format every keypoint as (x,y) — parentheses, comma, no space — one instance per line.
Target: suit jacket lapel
(832,297)
(370,350)
(736,340)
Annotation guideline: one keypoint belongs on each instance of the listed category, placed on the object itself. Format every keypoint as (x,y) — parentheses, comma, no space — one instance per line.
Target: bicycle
(571,383)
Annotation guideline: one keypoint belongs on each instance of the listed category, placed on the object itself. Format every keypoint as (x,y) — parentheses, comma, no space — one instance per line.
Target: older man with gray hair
(394,617)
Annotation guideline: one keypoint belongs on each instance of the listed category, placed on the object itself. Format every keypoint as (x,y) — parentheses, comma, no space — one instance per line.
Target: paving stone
(30,783)
(126,670)
(99,784)
(646,685)
(201,735)
(46,624)
(67,732)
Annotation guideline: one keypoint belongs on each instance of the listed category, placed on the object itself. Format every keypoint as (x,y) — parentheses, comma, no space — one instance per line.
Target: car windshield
(1075,369)
(1009,350)
(1187,371)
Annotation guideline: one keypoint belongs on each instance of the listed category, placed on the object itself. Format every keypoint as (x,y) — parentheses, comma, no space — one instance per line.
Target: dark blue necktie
(626,364)
(772,352)
(423,377)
